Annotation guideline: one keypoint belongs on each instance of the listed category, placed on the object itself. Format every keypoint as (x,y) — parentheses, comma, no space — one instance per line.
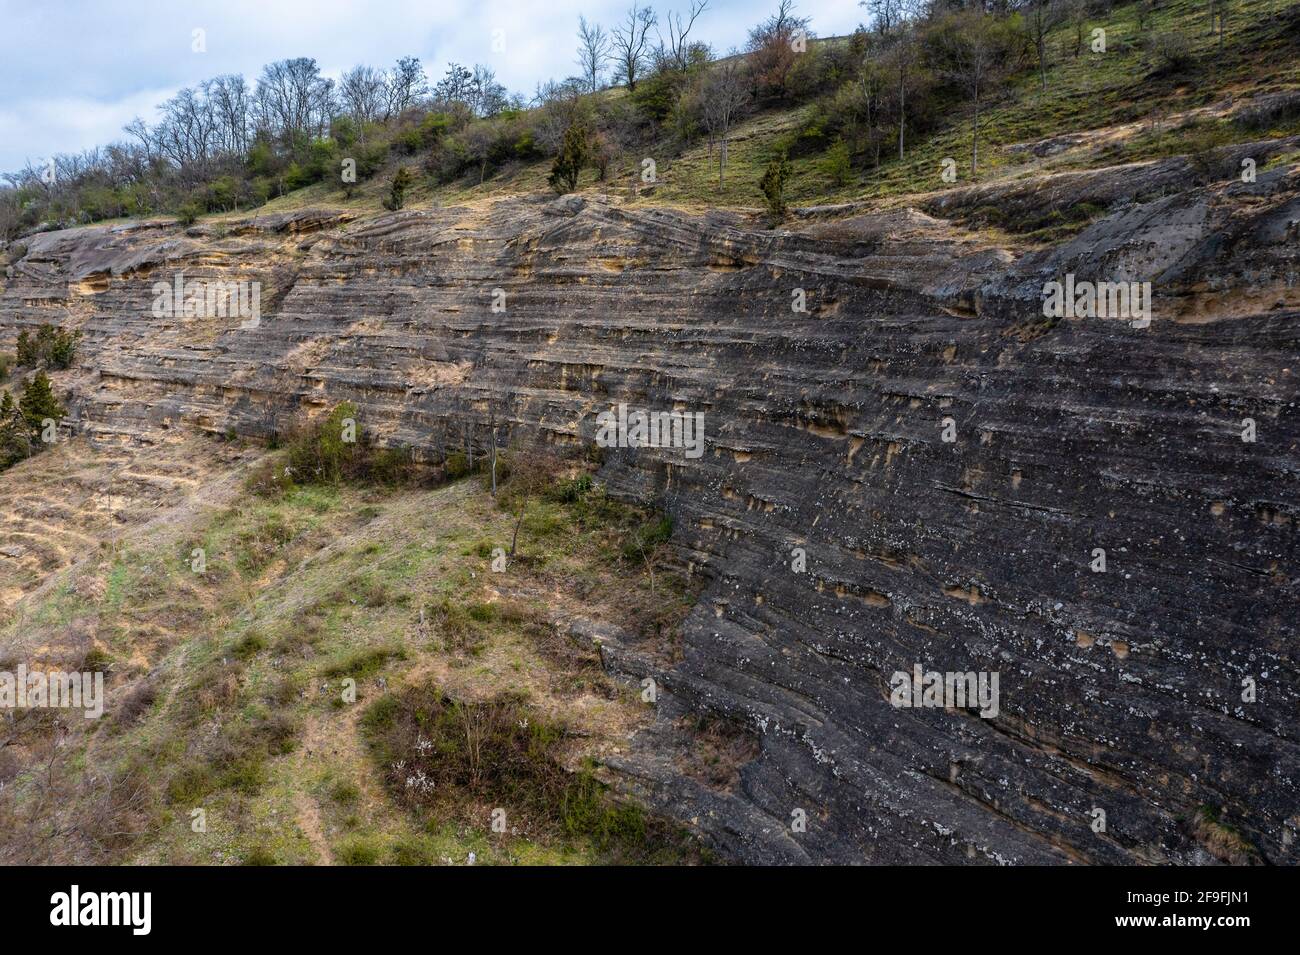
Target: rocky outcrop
(843,539)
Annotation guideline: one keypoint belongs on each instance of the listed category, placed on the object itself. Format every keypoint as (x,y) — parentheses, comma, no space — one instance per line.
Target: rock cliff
(842,538)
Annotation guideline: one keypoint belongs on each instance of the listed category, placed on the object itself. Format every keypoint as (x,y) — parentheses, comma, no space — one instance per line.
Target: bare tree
(558,106)
(139,130)
(1221,10)
(487,96)
(1041,18)
(886,15)
(724,97)
(363,94)
(676,50)
(293,101)
(890,16)
(406,84)
(456,86)
(772,45)
(1075,13)
(228,97)
(630,41)
(593,52)
(187,128)
(902,61)
(478,139)
(974,57)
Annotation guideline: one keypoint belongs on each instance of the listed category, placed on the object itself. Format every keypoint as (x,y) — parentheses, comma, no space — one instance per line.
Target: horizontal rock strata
(1120,691)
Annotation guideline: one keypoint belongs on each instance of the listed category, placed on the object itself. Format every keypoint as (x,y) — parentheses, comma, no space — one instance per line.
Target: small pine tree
(15,436)
(402,181)
(575,152)
(50,347)
(27,356)
(63,348)
(773,185)
(39,403)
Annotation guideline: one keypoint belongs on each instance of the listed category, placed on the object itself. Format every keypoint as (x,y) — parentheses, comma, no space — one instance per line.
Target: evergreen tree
(397,194)
(15,436)
(63,348)
(39,403)
(27,356)
(574,154)
(50,347)
(773,185)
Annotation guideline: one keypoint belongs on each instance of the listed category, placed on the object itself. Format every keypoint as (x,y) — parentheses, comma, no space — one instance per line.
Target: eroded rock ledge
(1119,690)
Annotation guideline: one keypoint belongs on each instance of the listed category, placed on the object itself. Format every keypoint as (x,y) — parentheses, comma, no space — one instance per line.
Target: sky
(72,74)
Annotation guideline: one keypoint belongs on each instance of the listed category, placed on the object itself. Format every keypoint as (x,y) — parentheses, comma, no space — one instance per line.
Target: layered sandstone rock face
(841,537)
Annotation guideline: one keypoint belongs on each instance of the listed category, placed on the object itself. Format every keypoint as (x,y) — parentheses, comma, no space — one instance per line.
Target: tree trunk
(514,539)
(494,462)
(975,140)
(902,114)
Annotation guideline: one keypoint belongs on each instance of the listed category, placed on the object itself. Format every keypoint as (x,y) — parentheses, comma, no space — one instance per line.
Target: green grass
(316,585)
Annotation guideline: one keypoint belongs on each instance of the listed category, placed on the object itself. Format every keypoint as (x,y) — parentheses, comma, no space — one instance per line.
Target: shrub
(656,95)
(331,451)
(328,451)
(50,347)
(572,491)
(575,152)
(63,347)
(1172,53)
(645,539)
(402,181)
(414,851)
(189,212)
(773,185)
(190,783)
(364,663)
(249,645)
(359,850)
(836,165)
(345,793)
(456,466)
(136,703)
(467,756)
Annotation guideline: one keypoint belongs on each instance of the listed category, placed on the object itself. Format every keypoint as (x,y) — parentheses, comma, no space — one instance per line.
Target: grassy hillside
(229,689)
(1123,103)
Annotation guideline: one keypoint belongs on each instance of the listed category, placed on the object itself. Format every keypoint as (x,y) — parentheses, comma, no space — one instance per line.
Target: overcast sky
(73,72)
